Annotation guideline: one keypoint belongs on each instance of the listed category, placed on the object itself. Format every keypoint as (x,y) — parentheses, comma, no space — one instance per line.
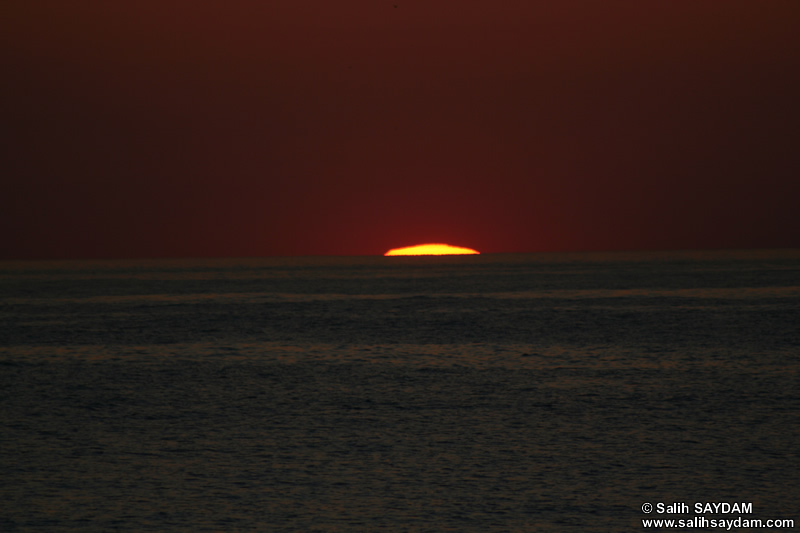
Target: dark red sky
(294,127)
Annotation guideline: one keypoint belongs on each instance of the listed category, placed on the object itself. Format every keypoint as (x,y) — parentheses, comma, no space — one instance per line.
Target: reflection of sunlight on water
(339,394)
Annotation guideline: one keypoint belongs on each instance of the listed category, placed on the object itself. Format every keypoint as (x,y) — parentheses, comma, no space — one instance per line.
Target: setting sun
(431,249)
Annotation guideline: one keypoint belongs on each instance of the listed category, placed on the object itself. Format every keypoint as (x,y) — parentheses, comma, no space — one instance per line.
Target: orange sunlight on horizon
(431,249)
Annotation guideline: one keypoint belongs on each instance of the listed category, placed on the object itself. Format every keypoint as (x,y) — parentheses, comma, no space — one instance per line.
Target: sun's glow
(431,249)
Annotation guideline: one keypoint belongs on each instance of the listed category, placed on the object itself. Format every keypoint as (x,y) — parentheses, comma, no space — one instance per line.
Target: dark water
(476,393)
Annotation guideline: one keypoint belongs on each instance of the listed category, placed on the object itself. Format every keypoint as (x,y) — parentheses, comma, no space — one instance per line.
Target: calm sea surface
(475,393)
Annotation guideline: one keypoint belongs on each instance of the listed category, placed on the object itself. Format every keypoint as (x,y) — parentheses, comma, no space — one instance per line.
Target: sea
(496,392)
